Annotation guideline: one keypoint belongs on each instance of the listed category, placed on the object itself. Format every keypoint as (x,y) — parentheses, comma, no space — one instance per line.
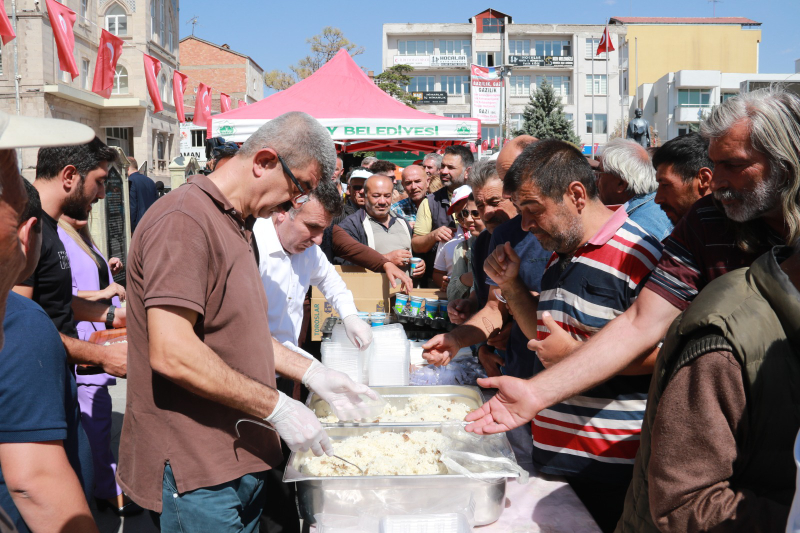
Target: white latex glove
(339,391)
(358,331)
(299,427)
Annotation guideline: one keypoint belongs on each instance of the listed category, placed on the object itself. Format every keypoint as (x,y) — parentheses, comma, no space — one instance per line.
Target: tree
(393,81)
(544,117)
(323,47)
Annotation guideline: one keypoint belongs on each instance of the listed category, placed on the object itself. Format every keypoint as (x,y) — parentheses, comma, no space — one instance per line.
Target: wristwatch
(110,317)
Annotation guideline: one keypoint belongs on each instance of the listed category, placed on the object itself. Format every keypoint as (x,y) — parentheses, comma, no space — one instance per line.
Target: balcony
(699,79)
(690,112)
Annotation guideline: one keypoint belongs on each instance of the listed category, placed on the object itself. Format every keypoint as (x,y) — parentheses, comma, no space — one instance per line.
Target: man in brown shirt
(200,352)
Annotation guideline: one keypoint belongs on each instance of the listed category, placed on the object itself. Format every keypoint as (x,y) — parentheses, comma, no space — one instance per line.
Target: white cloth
(446,253)
(286,279)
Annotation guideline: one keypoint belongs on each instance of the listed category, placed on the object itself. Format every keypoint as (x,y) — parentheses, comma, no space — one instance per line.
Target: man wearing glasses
(201,356)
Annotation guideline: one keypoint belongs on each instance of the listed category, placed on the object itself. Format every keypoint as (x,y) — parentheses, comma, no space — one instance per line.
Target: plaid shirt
(405,209)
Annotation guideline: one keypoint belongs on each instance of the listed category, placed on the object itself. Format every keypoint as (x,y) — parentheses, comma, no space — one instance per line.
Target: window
(120,81)
(489,59)
(591,48)
(560,84)
(421,83)
(117,20)
(415,48)
(517,119)
(568,116)
(163,87)
(160,146)
(120,137)
(596,85)
(169,35)
(84,9)
(724,96)
(553,48)
(153,27)
(490,132)
(694,97)
(519,47)
(456,84)
(85,74)
(655,104)
(163,21)
(684,130)
(456,47)
(491,25)
(170,94)
(625,84)
(457,115)
(519,85)
(600,125)
(199,138)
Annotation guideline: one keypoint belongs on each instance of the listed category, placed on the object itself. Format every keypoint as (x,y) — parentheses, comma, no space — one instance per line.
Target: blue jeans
(230,507)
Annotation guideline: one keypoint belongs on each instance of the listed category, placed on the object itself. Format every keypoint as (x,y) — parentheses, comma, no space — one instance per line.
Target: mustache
(727,195)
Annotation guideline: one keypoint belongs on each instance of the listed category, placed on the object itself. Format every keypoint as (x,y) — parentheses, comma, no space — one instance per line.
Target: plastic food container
(400,302)
(443,308)
(415,261)
(416,305)
(431,307)
(377,319)
(363,315)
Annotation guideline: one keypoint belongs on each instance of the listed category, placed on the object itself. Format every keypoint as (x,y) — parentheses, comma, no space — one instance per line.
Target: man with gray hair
(432,163)
(368,161)
(754,144)
(201,356)
(628,178)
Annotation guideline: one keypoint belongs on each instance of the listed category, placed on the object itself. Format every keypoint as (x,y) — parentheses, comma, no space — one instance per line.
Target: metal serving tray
(350,494)
(398,396)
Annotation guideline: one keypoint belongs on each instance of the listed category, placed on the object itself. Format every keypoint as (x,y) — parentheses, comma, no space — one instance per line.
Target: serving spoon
(273,429)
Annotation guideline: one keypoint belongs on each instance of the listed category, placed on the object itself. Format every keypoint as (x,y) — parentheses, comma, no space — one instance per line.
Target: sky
(274,33)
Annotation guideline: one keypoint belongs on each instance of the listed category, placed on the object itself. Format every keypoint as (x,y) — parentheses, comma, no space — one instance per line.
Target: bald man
(415,182)
(510,152)
(378,228)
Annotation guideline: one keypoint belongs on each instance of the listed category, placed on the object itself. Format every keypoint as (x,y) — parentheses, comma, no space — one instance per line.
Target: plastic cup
(377,319)
(415,261)
(364,316)
(443,308)
(416,304)
(400,303)
(431,307)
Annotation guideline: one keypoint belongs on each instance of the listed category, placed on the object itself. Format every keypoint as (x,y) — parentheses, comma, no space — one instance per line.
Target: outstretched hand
(510,408)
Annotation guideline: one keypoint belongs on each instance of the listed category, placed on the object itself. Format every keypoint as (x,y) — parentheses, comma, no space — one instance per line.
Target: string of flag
(62,20)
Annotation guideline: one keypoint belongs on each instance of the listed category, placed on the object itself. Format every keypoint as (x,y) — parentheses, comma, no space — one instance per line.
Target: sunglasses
(356,187)
(466,213)
(301,198)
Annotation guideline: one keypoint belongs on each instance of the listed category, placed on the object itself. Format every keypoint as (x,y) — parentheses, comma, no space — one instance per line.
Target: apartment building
(563,54)
(126,119)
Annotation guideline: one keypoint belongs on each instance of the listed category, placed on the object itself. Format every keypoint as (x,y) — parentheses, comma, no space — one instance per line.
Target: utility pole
(17,77)
(714,6)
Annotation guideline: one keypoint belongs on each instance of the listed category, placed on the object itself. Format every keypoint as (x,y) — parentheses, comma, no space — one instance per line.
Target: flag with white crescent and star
(106,65)
(62,19)
(605,43)
(202,106)
(152,67)
(178,88)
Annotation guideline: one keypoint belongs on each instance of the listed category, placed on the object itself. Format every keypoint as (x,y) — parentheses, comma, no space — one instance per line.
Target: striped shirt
(595,435)
(702,248)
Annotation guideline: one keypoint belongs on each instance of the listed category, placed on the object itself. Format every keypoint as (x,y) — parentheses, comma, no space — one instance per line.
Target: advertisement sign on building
(541,61)
(430,97)
(486,100)
(449,61)
(414,61)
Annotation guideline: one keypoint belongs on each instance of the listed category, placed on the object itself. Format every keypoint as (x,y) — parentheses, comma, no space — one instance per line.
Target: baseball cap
(29,132)
(462,193)
(360,174)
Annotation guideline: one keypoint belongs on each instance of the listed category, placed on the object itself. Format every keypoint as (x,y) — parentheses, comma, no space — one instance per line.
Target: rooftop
(224,47)
(684,20)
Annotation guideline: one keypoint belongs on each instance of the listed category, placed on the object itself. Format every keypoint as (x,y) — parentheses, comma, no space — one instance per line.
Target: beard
(751,204)
(77,205)
(565,239)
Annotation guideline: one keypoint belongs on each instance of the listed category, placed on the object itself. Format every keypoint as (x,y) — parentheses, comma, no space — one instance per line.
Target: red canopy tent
(358,114)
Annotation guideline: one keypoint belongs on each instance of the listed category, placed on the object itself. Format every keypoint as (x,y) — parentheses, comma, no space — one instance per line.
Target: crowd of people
(636,317)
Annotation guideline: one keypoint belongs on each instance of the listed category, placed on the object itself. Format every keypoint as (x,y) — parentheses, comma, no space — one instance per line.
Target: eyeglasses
(301,198)
(466,212)
(356,187)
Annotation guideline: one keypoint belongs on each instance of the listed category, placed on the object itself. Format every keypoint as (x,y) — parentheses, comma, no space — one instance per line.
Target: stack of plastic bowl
(390,357)
(340,354)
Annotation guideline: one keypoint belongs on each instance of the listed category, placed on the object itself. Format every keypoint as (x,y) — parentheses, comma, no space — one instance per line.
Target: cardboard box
(371,293)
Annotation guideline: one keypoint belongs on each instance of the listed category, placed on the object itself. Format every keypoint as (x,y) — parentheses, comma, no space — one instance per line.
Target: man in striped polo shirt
(601,261)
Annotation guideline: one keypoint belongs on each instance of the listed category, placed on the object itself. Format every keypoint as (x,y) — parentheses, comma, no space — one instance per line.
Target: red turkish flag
(202,106)
(6,29)
(224,102)
(242,103)
(152,67)
(62,19)
(106,65)
(605,44)
(485,145)
(178,88)
(472,148)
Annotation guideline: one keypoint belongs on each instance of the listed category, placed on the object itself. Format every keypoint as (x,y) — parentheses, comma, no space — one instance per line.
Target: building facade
(677,102)
(225,71)
(671,44)
(562,54)
(126,119)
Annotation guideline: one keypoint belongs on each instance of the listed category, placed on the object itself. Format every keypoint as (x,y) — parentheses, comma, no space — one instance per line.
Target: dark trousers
(604,501)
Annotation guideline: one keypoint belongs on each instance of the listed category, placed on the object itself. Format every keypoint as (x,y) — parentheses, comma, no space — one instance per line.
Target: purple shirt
(86,277)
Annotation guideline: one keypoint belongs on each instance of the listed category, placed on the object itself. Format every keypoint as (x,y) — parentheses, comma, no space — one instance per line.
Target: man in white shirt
(290,261)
